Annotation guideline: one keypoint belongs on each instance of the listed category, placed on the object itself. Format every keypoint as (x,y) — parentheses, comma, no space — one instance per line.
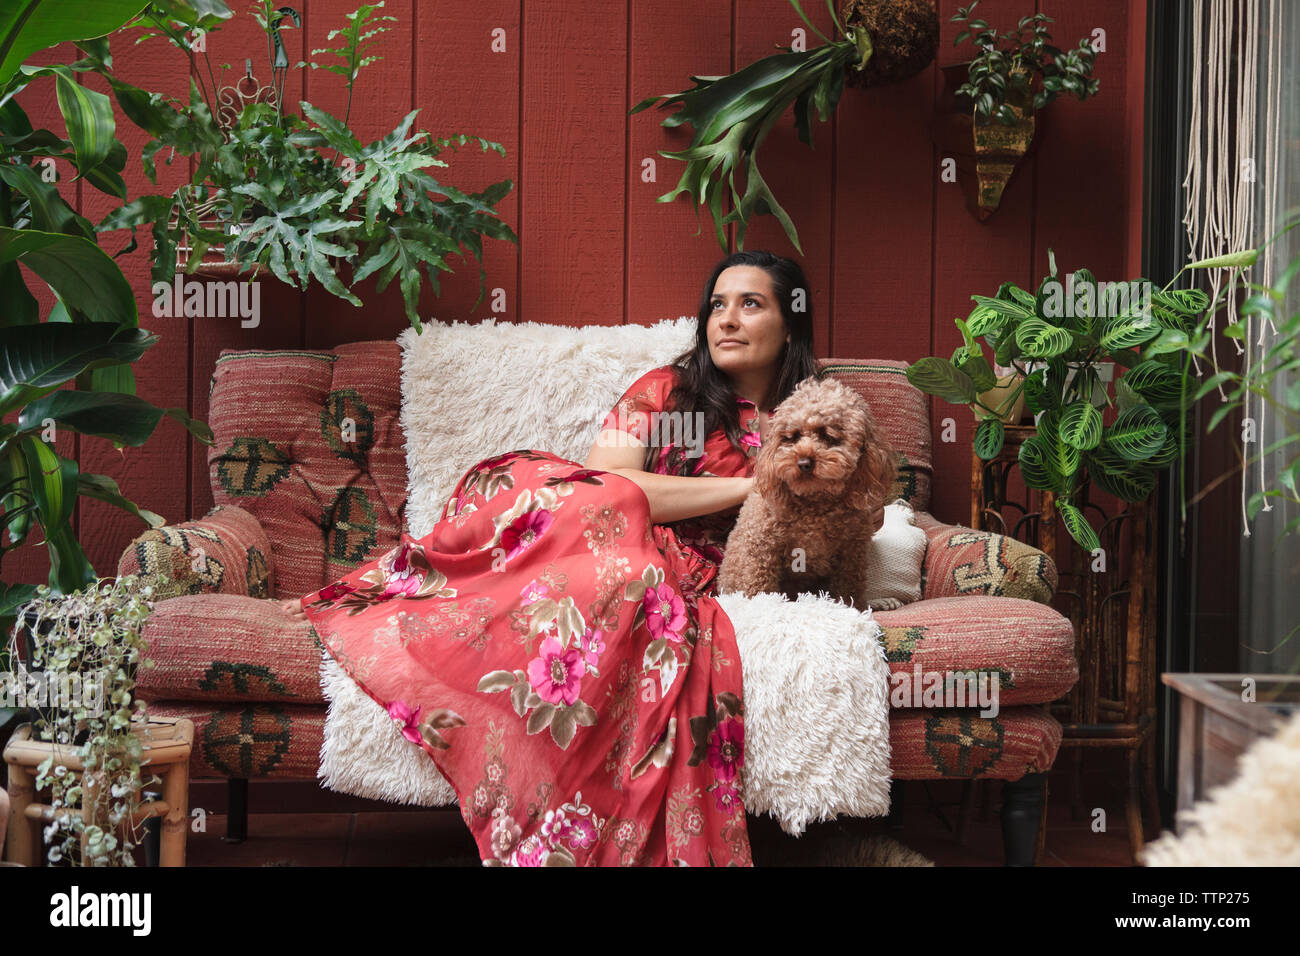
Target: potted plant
(91,335)
(882,41)
(1058,338)
(88,645)
(301,196)
(994,102)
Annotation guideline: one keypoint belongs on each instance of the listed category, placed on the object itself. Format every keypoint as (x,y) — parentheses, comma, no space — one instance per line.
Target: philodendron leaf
(989,435)
(939,377)
(1037,339)
(1078,526)
(1137,434)
(1081,426)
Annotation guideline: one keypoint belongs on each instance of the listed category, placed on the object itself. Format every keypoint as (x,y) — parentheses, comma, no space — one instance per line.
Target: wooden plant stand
(1113,611)
(166,744)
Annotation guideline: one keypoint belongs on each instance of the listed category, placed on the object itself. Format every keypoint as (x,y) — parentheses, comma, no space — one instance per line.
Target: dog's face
(821,441)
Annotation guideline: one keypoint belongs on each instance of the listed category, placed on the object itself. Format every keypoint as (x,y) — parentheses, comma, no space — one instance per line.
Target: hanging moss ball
(904,35)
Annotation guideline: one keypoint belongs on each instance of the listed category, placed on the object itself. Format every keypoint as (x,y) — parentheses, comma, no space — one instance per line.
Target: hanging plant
(882,41)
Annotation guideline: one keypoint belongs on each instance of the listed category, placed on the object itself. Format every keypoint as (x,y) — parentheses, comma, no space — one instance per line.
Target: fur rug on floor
(1253,820)
(816,720)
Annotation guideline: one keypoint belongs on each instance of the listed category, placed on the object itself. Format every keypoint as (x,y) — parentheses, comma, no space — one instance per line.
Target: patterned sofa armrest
(962,561)
(224,552)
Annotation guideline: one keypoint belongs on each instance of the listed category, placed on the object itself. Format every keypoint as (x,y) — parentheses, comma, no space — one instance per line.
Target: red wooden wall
(890,251)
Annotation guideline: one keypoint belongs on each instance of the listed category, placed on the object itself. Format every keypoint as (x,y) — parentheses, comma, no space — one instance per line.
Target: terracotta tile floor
(438,837)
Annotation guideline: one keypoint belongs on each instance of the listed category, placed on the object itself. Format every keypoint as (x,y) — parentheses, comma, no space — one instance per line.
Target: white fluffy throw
(473,391)
(816,719)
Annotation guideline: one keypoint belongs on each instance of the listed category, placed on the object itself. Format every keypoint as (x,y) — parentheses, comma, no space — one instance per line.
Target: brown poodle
(820,484)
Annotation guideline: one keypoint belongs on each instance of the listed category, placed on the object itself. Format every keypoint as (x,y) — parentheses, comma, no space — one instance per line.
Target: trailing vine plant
(90,641)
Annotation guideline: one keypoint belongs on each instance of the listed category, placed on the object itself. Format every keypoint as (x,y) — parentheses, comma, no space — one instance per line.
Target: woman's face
(746,331)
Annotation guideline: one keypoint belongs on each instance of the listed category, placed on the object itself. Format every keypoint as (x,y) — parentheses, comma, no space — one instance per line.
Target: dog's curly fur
(820,484)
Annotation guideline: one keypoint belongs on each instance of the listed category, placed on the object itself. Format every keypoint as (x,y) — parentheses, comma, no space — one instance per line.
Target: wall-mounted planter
(988,153)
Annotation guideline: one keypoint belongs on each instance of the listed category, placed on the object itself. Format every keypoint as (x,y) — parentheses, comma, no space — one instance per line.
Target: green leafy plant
(1274,379)
(1057,337)
(302,196)
(91,335)
(732,115)
(89,645)
(1021,67)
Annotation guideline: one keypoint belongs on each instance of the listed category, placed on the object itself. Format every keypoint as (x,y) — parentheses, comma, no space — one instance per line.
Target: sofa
(309,480)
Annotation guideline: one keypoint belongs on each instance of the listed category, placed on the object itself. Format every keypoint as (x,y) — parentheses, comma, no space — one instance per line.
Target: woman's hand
(293,607)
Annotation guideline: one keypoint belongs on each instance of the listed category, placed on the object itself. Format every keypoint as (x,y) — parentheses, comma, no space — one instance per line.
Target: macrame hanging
(1226,161)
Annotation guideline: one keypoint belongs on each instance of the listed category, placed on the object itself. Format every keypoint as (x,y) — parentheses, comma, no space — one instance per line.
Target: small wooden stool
(165,745)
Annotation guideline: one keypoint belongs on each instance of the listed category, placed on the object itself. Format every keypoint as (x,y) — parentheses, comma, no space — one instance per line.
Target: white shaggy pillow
(474,390)
(816,696)
(895,554)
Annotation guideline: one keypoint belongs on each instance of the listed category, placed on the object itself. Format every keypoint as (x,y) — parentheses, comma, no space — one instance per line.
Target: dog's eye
(829,437)
(793,436)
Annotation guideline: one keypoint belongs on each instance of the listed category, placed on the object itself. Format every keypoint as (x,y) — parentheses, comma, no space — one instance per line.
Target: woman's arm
(671,497)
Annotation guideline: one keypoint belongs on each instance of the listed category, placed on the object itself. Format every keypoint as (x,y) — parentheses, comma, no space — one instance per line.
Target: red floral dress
(563,660)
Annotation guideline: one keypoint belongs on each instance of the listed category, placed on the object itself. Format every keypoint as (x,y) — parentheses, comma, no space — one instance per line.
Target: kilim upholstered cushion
(251,741)
(318,460)
(224,552)
(221,647)
(929,744)
(1028,645)
(284,741)
(962,561)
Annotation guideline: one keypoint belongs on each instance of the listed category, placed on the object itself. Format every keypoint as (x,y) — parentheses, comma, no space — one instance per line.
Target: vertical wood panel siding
(891,253)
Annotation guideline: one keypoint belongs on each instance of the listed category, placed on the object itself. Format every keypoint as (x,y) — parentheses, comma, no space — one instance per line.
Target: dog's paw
(885,604)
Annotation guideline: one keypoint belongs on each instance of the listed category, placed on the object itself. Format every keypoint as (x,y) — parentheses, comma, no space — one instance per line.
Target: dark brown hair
(703,388)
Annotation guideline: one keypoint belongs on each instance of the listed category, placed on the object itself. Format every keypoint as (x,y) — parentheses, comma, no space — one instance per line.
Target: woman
(554,643)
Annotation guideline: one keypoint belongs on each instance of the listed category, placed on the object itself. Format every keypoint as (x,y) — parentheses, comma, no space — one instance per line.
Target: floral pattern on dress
(563,661)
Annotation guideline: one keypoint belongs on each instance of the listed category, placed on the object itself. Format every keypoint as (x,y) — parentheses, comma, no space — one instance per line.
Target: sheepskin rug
(514,385)
(815,677)
(816,719)
(1254,820)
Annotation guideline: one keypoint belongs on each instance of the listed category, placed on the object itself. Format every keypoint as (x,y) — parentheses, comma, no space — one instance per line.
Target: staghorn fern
(732,115)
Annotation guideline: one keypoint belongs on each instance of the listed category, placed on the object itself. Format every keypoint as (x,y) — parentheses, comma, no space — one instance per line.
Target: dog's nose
(805,464)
